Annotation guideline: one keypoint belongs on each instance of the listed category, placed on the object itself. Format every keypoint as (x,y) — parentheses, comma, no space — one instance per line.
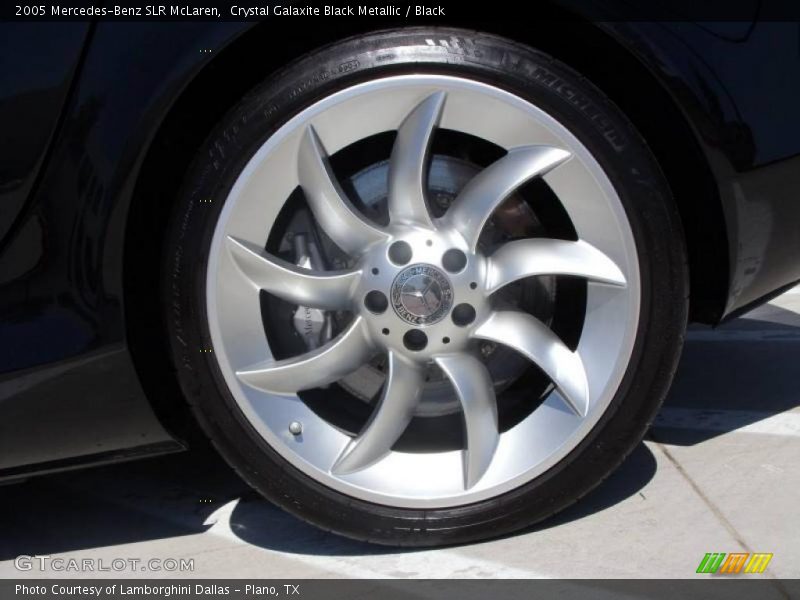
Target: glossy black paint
(64,361)
(32,92)
(82,373)
(741,99)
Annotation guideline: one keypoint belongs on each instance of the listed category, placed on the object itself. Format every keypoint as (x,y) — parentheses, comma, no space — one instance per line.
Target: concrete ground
(718,473)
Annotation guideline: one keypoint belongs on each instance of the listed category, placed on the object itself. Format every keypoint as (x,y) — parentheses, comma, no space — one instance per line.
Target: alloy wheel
(421,291)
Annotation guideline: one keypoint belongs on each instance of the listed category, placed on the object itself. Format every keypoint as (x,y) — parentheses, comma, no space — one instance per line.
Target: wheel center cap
(421,294)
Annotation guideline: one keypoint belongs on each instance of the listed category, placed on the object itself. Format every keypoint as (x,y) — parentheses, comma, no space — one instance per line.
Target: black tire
(545,82)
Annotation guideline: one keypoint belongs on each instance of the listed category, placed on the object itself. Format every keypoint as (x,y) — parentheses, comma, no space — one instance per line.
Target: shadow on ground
(176,495)
(734,376)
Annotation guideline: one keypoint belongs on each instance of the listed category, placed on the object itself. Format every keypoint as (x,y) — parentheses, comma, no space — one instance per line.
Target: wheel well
(204,102)
(669,135)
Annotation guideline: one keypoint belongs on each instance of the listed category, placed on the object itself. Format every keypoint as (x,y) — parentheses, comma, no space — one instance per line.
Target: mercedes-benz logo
(421,294)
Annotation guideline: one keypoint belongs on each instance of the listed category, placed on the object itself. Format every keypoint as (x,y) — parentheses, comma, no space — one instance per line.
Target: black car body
(100,119)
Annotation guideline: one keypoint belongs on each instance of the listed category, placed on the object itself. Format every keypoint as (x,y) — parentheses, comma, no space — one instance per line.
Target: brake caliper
(315,326)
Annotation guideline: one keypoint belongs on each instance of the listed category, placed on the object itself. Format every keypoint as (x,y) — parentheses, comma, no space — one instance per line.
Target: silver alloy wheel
(366,466)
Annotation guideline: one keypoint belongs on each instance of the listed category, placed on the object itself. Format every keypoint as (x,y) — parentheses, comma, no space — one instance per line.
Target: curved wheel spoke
(474,387)
(531,338)
(334,213)
(409,163)
(399,398)
(525,258)
(328,363)
(487,190)
(328,290)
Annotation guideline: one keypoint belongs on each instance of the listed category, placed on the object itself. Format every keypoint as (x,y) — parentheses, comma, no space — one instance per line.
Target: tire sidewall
(551,86)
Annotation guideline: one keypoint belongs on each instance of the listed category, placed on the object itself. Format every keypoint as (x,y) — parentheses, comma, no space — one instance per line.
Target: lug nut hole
(463,314)
(445,340)
(376,302)
(385,331)
(454,260)
(400,253)
(473,285)
(375,270)
(415,340)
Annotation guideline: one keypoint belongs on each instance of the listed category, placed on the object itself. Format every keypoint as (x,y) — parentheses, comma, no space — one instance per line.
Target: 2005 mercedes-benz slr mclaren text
(419,286)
